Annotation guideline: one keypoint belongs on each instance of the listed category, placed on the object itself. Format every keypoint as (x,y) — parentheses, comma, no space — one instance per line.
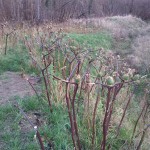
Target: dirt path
(13,84)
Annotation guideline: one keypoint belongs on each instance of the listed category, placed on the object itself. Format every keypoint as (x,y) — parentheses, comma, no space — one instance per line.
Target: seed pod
(125,77)
(110,80)
(77,78)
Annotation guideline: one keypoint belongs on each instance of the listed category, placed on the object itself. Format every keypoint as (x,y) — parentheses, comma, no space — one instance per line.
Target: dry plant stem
(74,115)
(70,116)
(33,89)
(124,112)
(137,121)
(47,78)
(142,139)
(109,108)
(142,130)
(94,116)
(40,140)
(6,43)
(82,84)
(62,80)
(109,115)
(46,86)
(73,70)
(37,132)
(115,91)
(103,143)
(145,113)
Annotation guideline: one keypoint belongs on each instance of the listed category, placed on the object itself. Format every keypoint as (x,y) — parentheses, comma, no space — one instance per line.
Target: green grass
(58,129)
(17,59)
(93,40)
(55,130)
(10,133)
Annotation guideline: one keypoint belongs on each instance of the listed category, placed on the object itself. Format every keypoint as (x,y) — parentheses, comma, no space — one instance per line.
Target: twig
(33,88)
(33,126)
(124,112)
(137,121)
(94,116)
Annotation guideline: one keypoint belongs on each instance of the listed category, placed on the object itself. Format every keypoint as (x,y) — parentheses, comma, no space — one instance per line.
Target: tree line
(61,10)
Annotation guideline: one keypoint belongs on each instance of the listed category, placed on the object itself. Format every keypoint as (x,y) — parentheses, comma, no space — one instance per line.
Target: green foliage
(57,129)
(97,40)
(10,132)
(31,103)
(17,59)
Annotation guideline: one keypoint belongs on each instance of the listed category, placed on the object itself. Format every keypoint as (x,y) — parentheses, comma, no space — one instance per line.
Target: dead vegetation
(131,36)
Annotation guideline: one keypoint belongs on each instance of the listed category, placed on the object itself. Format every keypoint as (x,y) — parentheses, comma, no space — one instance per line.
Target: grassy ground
(96,40)
(17,133)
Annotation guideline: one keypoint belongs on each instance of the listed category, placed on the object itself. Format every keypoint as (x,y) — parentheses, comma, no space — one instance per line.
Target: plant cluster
(87,81)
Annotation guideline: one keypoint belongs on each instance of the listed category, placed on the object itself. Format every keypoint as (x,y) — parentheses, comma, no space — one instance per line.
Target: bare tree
(61,10)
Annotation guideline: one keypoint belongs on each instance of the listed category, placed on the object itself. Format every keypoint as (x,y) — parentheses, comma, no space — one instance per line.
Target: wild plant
(83,79)
(37,134)
(7,33)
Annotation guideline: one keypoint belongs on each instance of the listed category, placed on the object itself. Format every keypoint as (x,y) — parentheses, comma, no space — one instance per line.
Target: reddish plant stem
(109,115)
(103,144)
(110,109)
(6,43)
(117,90)
(137,121)
(146,110)
(47,93)
(73,70)
(33,89)
(142,130)
(40,140)
(124,112)
(74,116)
(37,132)
(70,115)
(78,67)
(142,139)
(47,77)
(94,117)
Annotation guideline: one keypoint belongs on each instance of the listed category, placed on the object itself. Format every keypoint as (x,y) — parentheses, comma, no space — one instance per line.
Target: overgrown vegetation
(89,96)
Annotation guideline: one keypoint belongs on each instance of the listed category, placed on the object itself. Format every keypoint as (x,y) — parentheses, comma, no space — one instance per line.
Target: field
(82,84)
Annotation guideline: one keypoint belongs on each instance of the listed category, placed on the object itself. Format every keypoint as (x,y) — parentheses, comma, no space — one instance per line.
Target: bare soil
(15,84)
